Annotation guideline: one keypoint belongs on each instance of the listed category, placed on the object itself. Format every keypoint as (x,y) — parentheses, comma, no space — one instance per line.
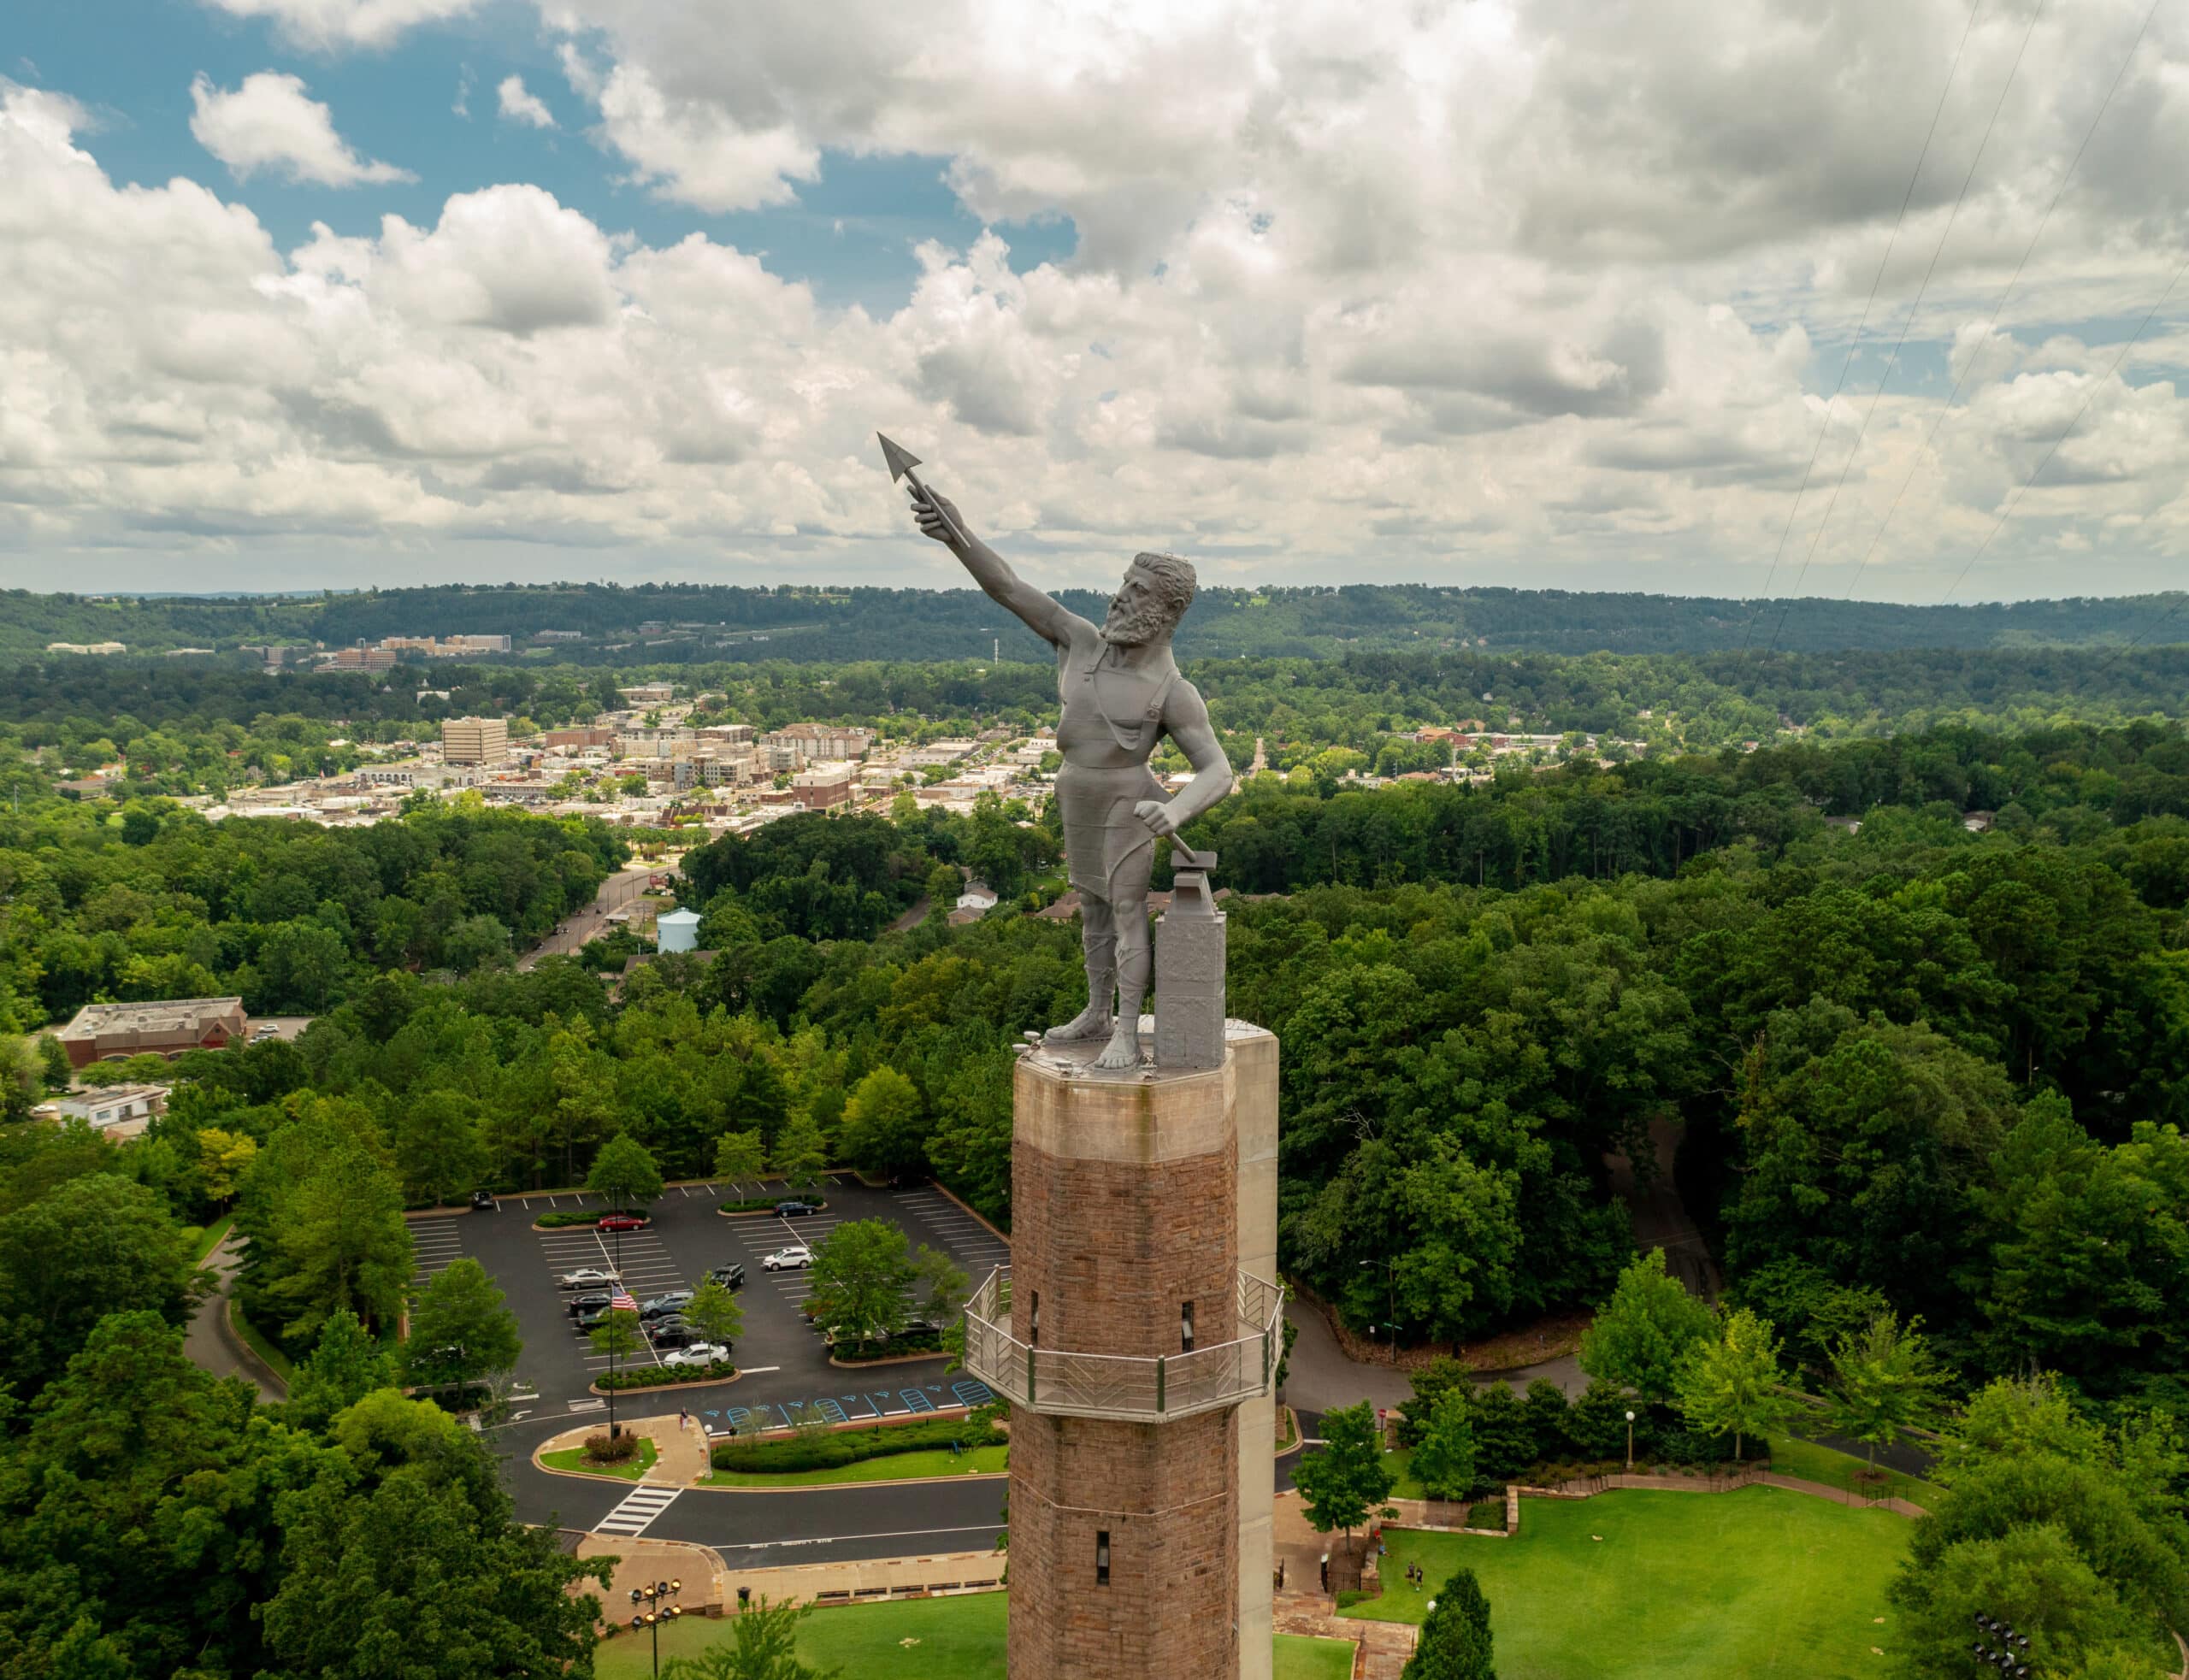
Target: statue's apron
(1102,834)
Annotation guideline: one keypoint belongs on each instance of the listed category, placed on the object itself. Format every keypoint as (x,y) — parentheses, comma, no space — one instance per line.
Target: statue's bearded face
(1149,603)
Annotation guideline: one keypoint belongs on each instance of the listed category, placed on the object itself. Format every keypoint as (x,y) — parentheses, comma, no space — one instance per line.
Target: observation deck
(1126,1388)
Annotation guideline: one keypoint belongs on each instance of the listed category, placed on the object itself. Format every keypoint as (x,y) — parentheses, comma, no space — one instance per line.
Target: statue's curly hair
(1173,579)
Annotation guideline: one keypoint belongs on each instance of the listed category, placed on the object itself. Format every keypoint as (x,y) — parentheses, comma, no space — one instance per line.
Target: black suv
(673,1333)
(581,1305)
(730,1277)
(790,1209)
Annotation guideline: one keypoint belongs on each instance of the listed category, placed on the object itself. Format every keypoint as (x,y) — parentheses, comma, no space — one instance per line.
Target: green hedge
(767,1205)
(835,1448)
(897,1348)
(656,1376)
(575,1217)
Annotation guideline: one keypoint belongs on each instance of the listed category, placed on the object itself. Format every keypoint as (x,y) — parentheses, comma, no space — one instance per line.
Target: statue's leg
(1098,938)
(1135,959)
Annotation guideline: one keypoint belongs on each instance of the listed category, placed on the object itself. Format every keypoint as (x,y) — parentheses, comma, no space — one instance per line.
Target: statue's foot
(1123,1051)
(1089,1024)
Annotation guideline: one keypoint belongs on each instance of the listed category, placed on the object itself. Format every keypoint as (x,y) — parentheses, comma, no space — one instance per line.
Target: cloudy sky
(1540,292)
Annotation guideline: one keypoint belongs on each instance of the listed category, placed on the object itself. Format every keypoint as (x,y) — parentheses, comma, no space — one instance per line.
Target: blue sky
(850,234)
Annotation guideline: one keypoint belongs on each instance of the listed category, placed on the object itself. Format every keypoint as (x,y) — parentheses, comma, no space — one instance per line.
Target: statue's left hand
(1157,816)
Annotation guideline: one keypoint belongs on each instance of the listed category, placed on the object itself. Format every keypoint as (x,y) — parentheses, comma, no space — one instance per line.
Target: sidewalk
(643,1562)
(680,1455)
(874,1579)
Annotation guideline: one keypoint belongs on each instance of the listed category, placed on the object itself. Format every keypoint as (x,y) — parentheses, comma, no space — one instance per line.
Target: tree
(341,1242)
(716,1313)
(940,1284)
(91,1246)
(762,1645)
(223,1158)
(862,1276)
(740,1157)
(619,1335)
(405,1560)
(884,1132)
(1348,1481)
(801,1154)
(1455,1641)
(624,1174)
(1442,1376)
(1731,1384)
(1641,1335)
(345,1365)
(1884,1383)
(1443,1462)
(438,1149)
(460,1331)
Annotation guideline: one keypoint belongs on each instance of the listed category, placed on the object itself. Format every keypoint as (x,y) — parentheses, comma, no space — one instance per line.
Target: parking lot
(783,1359)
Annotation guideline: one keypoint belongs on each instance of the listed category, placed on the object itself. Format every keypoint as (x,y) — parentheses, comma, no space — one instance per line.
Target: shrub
(1487,1514)
(1687,1448)
(656,1376)
(612,1449)
(832,1449)
(555,1221)
(910,1342)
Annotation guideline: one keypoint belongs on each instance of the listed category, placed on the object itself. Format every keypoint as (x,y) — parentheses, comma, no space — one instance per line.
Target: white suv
(797,1258)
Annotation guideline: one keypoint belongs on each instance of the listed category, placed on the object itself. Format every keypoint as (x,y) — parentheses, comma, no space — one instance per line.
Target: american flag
(621,1302)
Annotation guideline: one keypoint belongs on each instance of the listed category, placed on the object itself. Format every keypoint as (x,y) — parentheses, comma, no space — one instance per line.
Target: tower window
(1034,1318)
(1185,1327)
(1101,1557)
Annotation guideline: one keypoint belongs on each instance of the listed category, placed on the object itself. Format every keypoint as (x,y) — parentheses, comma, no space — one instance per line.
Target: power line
(1907,324)
(1824,424)
(1969,366)
(2097,386)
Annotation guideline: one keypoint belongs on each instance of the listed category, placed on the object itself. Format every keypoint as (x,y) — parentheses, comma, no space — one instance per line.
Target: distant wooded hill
(678,623)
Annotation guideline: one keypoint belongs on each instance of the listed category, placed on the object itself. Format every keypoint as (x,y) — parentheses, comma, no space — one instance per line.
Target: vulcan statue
(1122,694)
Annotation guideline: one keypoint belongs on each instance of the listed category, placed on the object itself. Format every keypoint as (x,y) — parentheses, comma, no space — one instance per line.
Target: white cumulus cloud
(521,104)
(328,24)
(270,124)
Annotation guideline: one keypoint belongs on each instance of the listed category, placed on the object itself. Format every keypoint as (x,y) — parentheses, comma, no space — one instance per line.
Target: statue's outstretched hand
(937,516)
(1157,816)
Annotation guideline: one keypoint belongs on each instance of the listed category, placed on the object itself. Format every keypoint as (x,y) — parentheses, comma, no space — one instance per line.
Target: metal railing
(1132,1387)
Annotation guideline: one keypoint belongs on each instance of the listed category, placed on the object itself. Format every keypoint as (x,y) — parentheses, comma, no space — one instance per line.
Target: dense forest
(684,622)
(1914,1066)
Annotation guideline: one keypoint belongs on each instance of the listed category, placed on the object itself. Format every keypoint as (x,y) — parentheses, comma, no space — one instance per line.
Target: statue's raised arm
(1040,611)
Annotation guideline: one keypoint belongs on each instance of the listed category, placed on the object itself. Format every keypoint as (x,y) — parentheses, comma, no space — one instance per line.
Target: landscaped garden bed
(629,1455)
(664,1376)
(829,1449)
(767,1205)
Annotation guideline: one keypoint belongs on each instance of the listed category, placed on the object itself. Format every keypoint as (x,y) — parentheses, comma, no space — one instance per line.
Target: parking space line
(915,1401)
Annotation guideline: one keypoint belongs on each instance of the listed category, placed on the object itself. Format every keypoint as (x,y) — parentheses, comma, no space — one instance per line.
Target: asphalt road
(591,922)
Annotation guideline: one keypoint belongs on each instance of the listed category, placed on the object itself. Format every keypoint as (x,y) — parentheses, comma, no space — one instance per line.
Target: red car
(620,1222)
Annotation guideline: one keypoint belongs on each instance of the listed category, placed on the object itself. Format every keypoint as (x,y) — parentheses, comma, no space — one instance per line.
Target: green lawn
(203,1242)
(1755,1583)
(573,1458)
(1792,1456)
(1303,1658)
(895,1467)
(919,1639)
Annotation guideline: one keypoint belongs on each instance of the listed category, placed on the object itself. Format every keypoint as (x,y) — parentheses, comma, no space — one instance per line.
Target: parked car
(662,1306)
(672,1333)
(730,1277)
(593,1301)
(587,1278)
(482,1201)
(791,1210)
(593,1318)
(621,1222)
(796,1257)
(698,1354)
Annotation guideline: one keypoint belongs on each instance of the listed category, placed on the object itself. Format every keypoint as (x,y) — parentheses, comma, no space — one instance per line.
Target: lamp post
(1999,1647)
(653,1616)
(1390,1302)
(1629,1441)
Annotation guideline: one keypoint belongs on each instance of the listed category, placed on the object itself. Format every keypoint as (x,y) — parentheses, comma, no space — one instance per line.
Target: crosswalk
(636,1514)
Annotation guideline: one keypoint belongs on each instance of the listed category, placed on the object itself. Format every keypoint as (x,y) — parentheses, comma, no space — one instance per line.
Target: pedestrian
(683,1418)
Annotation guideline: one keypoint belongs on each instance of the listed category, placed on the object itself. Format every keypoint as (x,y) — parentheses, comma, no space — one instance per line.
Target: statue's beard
(1134,629)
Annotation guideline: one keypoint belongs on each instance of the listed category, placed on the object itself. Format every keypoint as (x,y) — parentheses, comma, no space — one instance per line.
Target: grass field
(895,1467)
(573,1458)
(919,1639)
(205,1240)
(1667,1586)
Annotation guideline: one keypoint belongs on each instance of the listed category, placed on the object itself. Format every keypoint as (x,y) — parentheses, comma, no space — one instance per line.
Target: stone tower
(1136,1337)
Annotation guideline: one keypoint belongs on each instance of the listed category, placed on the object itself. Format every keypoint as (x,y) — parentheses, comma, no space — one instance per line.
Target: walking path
(211,1342)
